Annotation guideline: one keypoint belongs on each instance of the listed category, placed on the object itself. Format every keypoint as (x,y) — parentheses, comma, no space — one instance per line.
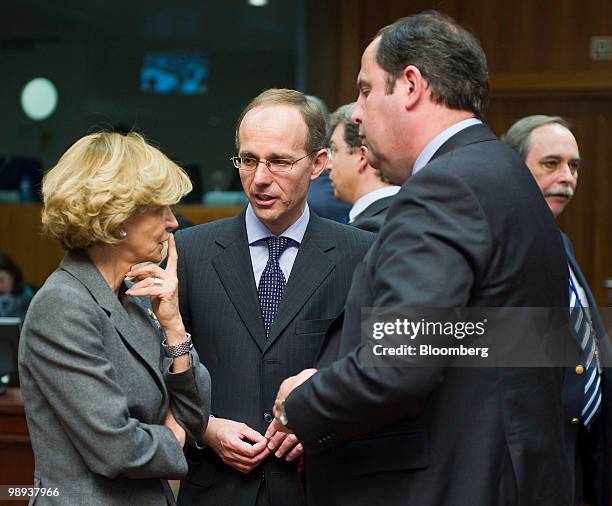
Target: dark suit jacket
(96,389)
(221,310)
(590,452)
(373,216)
(470,229)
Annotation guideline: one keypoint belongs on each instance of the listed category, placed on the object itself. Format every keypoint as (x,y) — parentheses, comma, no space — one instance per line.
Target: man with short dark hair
(354,180)
(550,150)
(258,293)
(468,229)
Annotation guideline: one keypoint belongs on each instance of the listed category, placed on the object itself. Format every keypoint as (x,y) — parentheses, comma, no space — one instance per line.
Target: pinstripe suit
(221,310)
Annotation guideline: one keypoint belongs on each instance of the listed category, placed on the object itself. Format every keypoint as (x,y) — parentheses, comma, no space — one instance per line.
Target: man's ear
(363,159)
(319,163)
(412,85)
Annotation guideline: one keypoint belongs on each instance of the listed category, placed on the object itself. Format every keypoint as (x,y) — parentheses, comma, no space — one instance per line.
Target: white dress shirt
(430,149)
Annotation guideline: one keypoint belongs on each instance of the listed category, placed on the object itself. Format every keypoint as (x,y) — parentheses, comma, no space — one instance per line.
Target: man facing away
(258,292)
(321,198)
(354,180)
(468,229)
(551,153)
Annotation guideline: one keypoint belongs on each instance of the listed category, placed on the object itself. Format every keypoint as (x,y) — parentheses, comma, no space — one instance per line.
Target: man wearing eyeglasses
(550,150)
(258,293)
(354,180)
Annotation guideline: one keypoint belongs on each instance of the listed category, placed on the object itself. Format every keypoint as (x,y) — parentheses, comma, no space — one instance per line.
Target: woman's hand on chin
(161,285)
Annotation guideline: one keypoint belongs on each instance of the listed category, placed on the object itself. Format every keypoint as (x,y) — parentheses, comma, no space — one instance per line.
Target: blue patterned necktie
(582,330)
(272,282)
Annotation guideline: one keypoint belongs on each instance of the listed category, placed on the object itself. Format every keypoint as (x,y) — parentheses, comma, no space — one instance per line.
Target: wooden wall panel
(544,44)
(21,239)
(547,35)
(39,256)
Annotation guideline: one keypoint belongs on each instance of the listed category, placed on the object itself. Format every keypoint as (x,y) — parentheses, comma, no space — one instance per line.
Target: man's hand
(236,443)
(288,386)
(282,443)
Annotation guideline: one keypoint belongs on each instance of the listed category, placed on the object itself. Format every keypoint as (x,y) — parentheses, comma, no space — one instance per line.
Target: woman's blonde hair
(103,180)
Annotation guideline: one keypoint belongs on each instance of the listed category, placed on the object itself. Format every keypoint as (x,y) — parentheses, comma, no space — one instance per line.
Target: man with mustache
(550,151)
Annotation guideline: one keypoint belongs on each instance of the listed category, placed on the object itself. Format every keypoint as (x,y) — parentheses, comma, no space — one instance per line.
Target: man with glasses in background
(353,178)
(258,293)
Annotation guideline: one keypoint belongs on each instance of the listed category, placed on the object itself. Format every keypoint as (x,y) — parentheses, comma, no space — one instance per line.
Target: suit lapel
(137,334)
(312,265)
(235,270)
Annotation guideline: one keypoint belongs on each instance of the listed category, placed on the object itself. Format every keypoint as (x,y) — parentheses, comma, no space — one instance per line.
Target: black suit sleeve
(183,280)
(435,241)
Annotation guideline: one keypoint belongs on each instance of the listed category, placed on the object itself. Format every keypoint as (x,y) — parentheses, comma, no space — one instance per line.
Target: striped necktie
(581,328)
(272,282)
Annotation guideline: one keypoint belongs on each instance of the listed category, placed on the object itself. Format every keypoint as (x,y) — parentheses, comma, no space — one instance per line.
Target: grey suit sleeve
(190,396)
(65,354)
(426,256)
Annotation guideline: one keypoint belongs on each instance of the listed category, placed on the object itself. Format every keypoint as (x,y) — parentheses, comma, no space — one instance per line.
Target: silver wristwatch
(179,349)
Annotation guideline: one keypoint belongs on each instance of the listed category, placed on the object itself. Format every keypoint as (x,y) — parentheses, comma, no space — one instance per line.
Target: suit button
(579,369)
(268,417)
(575,421)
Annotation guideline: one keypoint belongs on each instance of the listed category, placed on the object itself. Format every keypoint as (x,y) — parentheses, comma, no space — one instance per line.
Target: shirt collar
(438,140)
(363,202)
(256,230)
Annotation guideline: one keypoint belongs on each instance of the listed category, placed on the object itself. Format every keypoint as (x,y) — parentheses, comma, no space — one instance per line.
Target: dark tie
(582,330)
(272,282)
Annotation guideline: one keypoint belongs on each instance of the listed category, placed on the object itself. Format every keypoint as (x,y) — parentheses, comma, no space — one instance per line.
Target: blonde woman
(111,384)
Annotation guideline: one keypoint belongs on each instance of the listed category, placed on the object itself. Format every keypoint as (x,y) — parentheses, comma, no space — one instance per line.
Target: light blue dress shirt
(257,232)
(438,140)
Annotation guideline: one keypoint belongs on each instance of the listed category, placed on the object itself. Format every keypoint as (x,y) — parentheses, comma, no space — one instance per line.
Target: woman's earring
(122,233)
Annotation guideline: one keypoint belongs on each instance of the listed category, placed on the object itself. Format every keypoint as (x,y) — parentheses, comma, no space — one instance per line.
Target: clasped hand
(243,448)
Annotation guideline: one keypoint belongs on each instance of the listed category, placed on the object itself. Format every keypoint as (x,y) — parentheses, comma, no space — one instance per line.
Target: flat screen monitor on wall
(174,74)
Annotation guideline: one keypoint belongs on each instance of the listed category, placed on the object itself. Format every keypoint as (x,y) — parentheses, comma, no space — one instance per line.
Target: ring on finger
(158,281)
